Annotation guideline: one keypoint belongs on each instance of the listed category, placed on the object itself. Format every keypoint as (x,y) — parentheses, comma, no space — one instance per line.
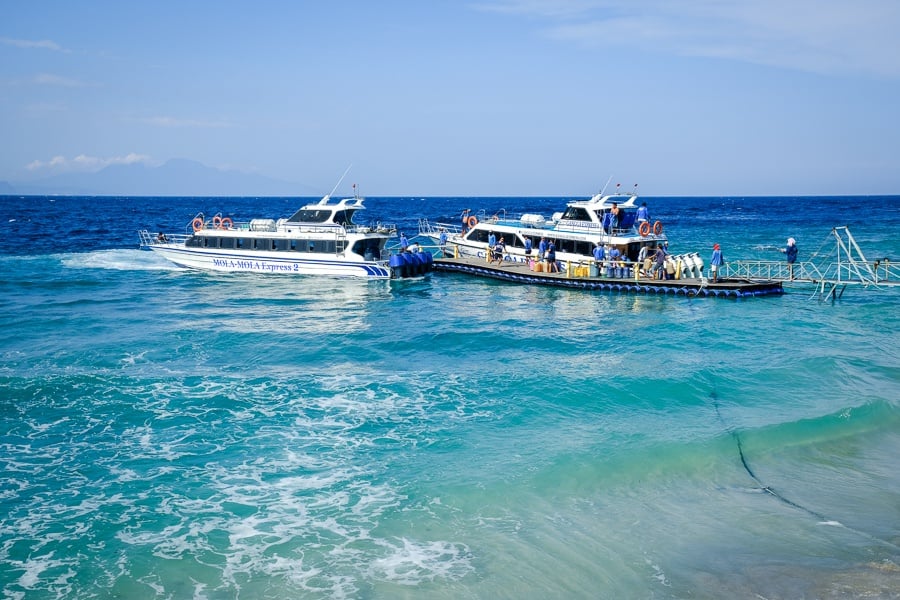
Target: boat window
(280,244)
(478,235)
(369,249)
(576,213)
(319,246)
(210,242)
(344,217)
(228,243)
(239,243)
(194,242)
(632,251)
(310,215)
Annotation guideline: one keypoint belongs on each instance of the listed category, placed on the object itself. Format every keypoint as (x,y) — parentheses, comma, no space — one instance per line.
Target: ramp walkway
(838,263)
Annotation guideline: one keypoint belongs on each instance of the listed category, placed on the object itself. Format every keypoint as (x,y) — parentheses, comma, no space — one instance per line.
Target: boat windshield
(312,215)
(576,213)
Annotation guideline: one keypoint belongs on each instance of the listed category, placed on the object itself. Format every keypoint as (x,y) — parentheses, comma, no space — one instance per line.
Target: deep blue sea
(176,434)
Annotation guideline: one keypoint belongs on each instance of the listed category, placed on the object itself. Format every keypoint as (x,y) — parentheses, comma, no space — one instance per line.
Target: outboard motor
(698,264)
(397,263)
(428,261)
(689,266)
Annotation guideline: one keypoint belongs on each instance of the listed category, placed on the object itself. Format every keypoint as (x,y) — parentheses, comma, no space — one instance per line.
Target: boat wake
(118,260)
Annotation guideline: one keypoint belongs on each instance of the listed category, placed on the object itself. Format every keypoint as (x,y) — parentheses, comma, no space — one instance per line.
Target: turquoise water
(174,434)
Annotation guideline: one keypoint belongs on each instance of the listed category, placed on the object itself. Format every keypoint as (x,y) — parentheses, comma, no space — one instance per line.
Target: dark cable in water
(767,489)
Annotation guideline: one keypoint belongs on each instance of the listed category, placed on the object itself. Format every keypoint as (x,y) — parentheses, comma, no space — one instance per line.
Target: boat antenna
(607,183)
(328,196)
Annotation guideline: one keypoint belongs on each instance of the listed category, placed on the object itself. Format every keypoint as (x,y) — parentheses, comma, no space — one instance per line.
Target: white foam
(411,562)
(119,260)
(34,567)
(658,573)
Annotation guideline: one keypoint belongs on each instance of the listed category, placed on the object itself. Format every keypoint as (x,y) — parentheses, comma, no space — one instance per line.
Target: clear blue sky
(441,97)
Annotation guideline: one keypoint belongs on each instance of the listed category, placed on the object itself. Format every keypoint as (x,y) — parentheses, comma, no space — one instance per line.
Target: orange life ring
(472,221)
(197,224)
(645,228)
(217,222)
(227,223)
(657,228)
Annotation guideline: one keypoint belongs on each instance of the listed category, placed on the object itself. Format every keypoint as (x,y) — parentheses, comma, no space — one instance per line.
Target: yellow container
(538,267)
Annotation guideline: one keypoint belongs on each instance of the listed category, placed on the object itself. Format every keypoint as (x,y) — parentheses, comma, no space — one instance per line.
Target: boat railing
(220,223)
(160,238)
(377,227)
(419,243)
(428,228)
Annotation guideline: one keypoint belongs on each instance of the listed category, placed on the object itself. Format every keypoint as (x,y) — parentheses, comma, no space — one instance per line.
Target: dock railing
(839,262)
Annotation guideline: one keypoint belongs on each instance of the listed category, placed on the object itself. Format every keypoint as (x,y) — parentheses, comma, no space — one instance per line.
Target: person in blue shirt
(542,248)
(443,241)
(528,247)
(551,259)
(715,262)
(614,267)
(790,252)
(492,239)
(598,253)
(643,214)
(404,243)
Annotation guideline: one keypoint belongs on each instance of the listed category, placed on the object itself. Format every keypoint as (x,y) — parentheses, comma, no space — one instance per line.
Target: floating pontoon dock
(575,278)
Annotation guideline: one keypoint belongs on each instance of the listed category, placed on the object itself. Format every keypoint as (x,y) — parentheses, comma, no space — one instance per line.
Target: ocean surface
(176,434)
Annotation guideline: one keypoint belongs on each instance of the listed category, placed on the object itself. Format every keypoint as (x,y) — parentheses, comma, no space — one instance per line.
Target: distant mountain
(177,177)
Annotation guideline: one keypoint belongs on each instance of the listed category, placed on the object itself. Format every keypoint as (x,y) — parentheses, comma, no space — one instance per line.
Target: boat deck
(520,273)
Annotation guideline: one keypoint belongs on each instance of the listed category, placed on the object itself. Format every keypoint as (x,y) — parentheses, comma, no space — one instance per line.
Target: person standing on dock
(715,261)
(643,260)
(552,267)
(598,254)
(790,252)
(659,262)
(498,250)
(443,241)
(542,248)
(528,247)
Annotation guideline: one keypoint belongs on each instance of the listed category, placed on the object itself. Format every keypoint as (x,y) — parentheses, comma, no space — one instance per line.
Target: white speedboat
(611,220)
(318,239)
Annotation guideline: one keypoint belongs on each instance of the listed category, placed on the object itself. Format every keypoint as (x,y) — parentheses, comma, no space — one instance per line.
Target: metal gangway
(830,269)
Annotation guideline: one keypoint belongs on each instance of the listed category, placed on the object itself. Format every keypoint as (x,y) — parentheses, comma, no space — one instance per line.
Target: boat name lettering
(250,265)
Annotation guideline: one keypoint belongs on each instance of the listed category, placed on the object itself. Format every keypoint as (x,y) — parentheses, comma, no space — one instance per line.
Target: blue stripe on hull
(264,263)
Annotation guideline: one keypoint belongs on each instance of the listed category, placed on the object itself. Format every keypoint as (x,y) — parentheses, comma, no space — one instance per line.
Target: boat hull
(270,263)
